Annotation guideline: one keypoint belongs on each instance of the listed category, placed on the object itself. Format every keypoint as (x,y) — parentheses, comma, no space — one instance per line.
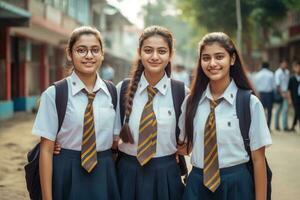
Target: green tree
(258,18)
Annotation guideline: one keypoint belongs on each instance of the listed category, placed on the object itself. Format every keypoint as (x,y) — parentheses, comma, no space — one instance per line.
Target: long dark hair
(200,82)
(137,72)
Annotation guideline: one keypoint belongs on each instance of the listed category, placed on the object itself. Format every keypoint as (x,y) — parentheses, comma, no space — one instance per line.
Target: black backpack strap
(123,90)
(178,95)
(113,92)
(244,116)
(61,100)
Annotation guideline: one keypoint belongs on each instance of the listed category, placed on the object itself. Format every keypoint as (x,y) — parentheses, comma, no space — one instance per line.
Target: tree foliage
(219,15)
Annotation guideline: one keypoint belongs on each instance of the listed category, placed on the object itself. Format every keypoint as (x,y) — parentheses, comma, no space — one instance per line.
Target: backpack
(244,116)
(178,95)
(32,167)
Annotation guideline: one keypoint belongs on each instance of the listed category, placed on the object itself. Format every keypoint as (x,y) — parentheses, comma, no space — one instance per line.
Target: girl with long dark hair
(210,128)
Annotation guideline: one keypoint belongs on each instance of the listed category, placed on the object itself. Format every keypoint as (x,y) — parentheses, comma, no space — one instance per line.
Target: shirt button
(165,86)
(169,112)
(229,124)
(231,95)
(74,83)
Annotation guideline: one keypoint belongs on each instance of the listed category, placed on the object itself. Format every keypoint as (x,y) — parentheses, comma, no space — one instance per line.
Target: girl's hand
(260,173)
(57,148)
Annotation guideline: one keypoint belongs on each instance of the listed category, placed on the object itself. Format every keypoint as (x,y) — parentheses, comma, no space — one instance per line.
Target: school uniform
(265,84)
(70,180)
(282,79)
(160,177)
(236,181)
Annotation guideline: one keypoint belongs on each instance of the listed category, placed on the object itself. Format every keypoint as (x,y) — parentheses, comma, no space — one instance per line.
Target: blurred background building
(34,34)
(288,45)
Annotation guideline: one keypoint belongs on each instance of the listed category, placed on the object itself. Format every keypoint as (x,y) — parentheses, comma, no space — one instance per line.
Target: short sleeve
(181,121)
(118,126)
(46,121)
(259,132)
(277,78)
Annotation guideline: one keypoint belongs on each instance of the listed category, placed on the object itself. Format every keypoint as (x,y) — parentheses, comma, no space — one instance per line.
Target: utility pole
(239,24)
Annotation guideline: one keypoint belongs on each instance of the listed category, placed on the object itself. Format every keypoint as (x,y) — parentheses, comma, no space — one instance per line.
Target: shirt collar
(161,86)
(77,85)
(229,94)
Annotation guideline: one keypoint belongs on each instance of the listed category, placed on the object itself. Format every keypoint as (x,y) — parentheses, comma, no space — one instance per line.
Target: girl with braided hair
(147,167)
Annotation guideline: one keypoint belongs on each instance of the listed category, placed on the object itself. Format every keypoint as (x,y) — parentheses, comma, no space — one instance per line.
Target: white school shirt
(264,80)
(282,79)
(70,134)
(165,115)
(231,150)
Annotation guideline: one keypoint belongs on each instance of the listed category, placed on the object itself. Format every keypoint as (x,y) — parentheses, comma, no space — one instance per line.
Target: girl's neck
(217,88)
(153,78)
(88,80)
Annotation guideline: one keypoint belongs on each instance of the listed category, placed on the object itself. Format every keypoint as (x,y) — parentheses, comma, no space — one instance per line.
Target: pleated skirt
(236,184)
(159,179)
(72,182)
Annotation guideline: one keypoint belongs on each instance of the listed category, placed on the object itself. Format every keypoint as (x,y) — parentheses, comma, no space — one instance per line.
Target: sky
(131,9)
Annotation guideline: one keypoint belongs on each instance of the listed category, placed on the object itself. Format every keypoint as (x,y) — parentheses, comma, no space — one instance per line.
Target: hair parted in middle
(138,69)
(199,85)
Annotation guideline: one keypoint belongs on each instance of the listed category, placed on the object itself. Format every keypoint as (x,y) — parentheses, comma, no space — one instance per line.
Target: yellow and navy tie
(211,172)
(147,130)
(88,151)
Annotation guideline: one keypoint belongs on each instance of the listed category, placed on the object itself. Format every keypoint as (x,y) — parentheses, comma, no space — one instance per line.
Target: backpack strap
(61,100)
(178,95)
(124,87)
(113,92)
(244,116)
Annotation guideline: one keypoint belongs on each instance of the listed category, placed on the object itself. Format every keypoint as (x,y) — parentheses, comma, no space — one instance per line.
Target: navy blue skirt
(236,184)
(71,181)
(159,179)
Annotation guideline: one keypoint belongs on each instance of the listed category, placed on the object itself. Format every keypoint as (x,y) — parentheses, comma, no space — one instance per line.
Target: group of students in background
(77,162)
(280,88)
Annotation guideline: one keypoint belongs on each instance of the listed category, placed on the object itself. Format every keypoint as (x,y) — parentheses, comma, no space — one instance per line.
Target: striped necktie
(88,147)
(211,170)
(147,130)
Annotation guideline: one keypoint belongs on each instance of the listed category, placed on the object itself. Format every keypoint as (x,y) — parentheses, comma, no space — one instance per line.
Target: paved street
(16,140)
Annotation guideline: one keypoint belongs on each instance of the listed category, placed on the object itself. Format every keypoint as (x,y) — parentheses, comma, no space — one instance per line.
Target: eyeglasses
(83,51)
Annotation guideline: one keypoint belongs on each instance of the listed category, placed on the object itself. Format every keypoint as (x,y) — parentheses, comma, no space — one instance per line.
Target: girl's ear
(232,59)
(68,53)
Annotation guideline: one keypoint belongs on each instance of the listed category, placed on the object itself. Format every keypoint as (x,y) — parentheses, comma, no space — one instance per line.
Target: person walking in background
(282,76)
(107,72)
(180,73)
(210,128)
(294,89)
(84,167)
(264,84)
